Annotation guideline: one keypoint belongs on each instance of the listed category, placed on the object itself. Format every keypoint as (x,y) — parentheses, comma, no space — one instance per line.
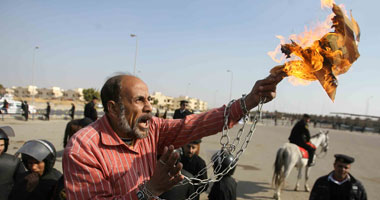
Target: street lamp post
(33,87)
(367,105)
(134,66)
(232,77)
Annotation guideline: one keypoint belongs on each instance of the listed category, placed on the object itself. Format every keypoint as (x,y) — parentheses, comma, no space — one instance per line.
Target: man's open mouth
(144,120)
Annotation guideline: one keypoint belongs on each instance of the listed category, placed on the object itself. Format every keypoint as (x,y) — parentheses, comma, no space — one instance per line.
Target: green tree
(89,93)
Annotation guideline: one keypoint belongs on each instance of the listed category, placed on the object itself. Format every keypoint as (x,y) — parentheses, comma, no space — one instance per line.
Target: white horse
(289,156)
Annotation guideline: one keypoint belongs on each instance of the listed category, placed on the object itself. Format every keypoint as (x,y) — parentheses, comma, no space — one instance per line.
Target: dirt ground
(255,168)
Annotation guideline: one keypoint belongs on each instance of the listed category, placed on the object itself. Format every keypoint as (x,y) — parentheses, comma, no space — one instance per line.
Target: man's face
(183,106)
(341,170)
(36,166)
(2,146)
(190,149)
(134,108)
(307,120)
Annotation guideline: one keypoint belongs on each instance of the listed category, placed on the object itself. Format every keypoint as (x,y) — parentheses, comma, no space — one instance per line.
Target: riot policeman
(10,166)
(225,189)
(38,156)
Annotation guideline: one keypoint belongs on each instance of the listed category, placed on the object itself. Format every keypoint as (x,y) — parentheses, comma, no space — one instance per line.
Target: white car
(14,107)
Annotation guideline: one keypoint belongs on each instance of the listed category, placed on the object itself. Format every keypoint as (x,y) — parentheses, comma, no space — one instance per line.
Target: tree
(89,93)
(2,89)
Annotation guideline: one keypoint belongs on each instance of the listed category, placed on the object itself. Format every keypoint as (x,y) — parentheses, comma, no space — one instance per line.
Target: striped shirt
(97,164)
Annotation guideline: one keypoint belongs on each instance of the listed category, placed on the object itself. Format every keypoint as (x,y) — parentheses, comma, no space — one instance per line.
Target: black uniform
(300,135)
(324,189)
(48,108)
(25,109)
(90,111)
(72,112)
(180,192)
(44,189)
(180,115)
(194,165)
(225,189)
(10,170)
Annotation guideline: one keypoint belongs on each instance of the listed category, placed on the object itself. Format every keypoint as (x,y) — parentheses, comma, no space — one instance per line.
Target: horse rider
(300,136)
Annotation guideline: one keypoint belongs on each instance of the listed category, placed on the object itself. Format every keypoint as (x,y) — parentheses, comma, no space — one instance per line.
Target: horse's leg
(307,172)
(299,168)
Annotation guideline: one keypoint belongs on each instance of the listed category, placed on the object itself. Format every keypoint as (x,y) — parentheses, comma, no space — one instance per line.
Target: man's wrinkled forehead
(131,86)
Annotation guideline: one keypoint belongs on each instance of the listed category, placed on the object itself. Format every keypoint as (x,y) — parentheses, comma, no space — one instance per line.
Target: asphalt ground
(255,168)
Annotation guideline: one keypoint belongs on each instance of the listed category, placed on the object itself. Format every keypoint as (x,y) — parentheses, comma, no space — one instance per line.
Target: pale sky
(184,48)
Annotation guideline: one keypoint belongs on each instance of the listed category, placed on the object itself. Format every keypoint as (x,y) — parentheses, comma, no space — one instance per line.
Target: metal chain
(226,146)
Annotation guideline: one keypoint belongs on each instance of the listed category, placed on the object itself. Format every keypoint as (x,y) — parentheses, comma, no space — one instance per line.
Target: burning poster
(327,56)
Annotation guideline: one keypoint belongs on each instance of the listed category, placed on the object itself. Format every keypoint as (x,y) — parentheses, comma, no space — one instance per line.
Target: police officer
(10,166)
(225,189)
(193,163)
(300,136)
(90,109)
(339,184)
(182,112)
(41,178)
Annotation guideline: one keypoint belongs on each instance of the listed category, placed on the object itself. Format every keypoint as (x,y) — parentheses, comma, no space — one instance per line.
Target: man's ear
(112,108)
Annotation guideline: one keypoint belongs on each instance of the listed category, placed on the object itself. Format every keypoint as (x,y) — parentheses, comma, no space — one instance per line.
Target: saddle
(304,152)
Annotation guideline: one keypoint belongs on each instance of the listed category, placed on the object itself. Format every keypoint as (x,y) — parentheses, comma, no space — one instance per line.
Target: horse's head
(321,139)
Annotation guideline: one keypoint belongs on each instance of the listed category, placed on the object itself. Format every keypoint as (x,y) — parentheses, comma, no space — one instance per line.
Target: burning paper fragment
(327,57)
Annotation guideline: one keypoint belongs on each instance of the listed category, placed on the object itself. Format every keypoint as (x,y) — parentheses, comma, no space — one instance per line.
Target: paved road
(255,168)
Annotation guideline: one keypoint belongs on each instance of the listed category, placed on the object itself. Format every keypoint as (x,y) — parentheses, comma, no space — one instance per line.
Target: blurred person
(90,110)
(192,162)
(300,135)
(182,112)
(25,109)
(10,166)
(74,126)
(38,156)
(48,108)
(72,111)
(5,106)
(339,184)
(116,156)
(225,189)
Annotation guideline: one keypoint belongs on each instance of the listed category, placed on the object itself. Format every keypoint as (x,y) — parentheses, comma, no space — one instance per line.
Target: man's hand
(265,89)
(167,172)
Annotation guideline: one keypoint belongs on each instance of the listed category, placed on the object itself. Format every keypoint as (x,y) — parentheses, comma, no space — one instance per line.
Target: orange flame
(327,3)
(319,53)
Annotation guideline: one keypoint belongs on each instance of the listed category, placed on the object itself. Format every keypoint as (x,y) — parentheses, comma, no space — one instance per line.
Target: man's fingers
(172,159)
(176,179)
(267,88)
(175,171)
(166,154)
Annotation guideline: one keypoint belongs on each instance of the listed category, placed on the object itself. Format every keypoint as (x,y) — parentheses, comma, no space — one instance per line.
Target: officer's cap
(344,158)
(184,101)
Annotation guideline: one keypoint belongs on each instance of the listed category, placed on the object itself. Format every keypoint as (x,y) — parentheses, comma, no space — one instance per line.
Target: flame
(320,53)
(327,3)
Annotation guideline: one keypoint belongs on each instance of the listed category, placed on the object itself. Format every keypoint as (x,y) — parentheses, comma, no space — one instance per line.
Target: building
(44,93)
(57,92)
(194,104)
(21,92)
(71,95)
(161,101)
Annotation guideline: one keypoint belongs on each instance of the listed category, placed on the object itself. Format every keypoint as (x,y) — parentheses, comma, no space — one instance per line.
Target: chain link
(226,146)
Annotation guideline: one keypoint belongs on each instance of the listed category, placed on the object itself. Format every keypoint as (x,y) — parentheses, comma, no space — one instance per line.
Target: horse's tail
(278,174)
